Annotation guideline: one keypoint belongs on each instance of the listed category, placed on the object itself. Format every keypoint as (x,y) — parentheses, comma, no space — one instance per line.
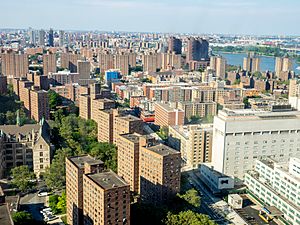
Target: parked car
(50,218)
(43,193)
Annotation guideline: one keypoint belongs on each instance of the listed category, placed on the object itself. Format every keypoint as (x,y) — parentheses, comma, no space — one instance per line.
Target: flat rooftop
(5,218)
(130,118)
(79,161)
(135,138)
(107,180)
(163,150)
(250,114)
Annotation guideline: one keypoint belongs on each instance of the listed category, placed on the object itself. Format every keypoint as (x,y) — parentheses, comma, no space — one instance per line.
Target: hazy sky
(198,16)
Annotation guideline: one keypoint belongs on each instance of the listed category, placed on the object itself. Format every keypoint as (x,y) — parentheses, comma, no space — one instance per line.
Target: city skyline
(202,16)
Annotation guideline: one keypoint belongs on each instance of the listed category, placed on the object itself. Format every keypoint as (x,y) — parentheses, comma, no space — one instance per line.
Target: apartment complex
(194,143)
(175,45)
(14,64)
(95,196)
(284,64)
(49,63)
(218,64)
(76,167)
(129,146)
(251,63)
(242,136)
(165,115)
(25,145)
(159,171)
(294,94)
(277,185)
(106,199)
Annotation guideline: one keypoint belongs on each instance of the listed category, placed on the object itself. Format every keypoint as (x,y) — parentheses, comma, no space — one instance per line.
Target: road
(207,200)
(33,204)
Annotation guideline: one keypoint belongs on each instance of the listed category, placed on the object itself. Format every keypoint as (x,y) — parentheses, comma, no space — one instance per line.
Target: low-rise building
(277,185)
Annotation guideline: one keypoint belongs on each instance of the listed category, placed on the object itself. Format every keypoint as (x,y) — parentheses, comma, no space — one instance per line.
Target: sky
(257,17)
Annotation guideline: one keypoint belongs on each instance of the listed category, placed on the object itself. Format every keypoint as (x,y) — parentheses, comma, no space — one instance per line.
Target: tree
(22,177)
(25,218)
(191,197)
(55,175)
(62,204)
(188,218)
(54,99)
(107,153)
(22,218)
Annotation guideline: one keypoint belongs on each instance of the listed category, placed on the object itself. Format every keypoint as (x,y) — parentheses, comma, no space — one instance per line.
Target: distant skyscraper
(197,49)
(61,38)
(121,62)
(32,38)
(51,38)
(41,41)
(84,69)
(175,45)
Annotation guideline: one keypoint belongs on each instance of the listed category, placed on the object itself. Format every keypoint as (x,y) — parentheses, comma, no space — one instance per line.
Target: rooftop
(107,180)
(250,114)
(15,129)
(163,150)
(132,137)
(79,161)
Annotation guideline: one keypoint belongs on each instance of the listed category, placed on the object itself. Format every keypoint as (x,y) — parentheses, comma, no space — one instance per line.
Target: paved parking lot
(250,215)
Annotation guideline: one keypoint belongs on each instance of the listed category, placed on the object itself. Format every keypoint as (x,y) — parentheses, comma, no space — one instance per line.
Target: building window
(41,153)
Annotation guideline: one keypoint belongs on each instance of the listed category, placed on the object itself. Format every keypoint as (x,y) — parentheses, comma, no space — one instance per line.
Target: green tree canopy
(54,99)
(55,175)
(188,218)
(21,178)
(191,197)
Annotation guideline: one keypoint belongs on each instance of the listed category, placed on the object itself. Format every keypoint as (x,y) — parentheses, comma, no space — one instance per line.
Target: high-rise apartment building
(194,143)
(159,173)
(39,105)
(14,65)
(251,63)
(218,64)
(277,185)
(242,136)
(294,94)
(175,45)
(121,62)
(165,115)
(128,157)
(106,61)
(49,63)
(170,61)
(76,167)
(126,124)
(283,66)
(69,61)
(106,199)
(150,62)
(32,37)
(197,49)
(84,69)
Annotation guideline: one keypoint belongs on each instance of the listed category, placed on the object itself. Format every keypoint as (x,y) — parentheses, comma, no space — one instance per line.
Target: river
(267,63)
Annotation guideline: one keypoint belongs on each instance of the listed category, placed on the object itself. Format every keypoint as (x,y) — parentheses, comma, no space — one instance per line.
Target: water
(267,63)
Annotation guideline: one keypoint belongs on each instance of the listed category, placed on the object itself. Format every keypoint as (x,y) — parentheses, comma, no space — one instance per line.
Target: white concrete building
(242,136)
(278,185)
(216,181)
